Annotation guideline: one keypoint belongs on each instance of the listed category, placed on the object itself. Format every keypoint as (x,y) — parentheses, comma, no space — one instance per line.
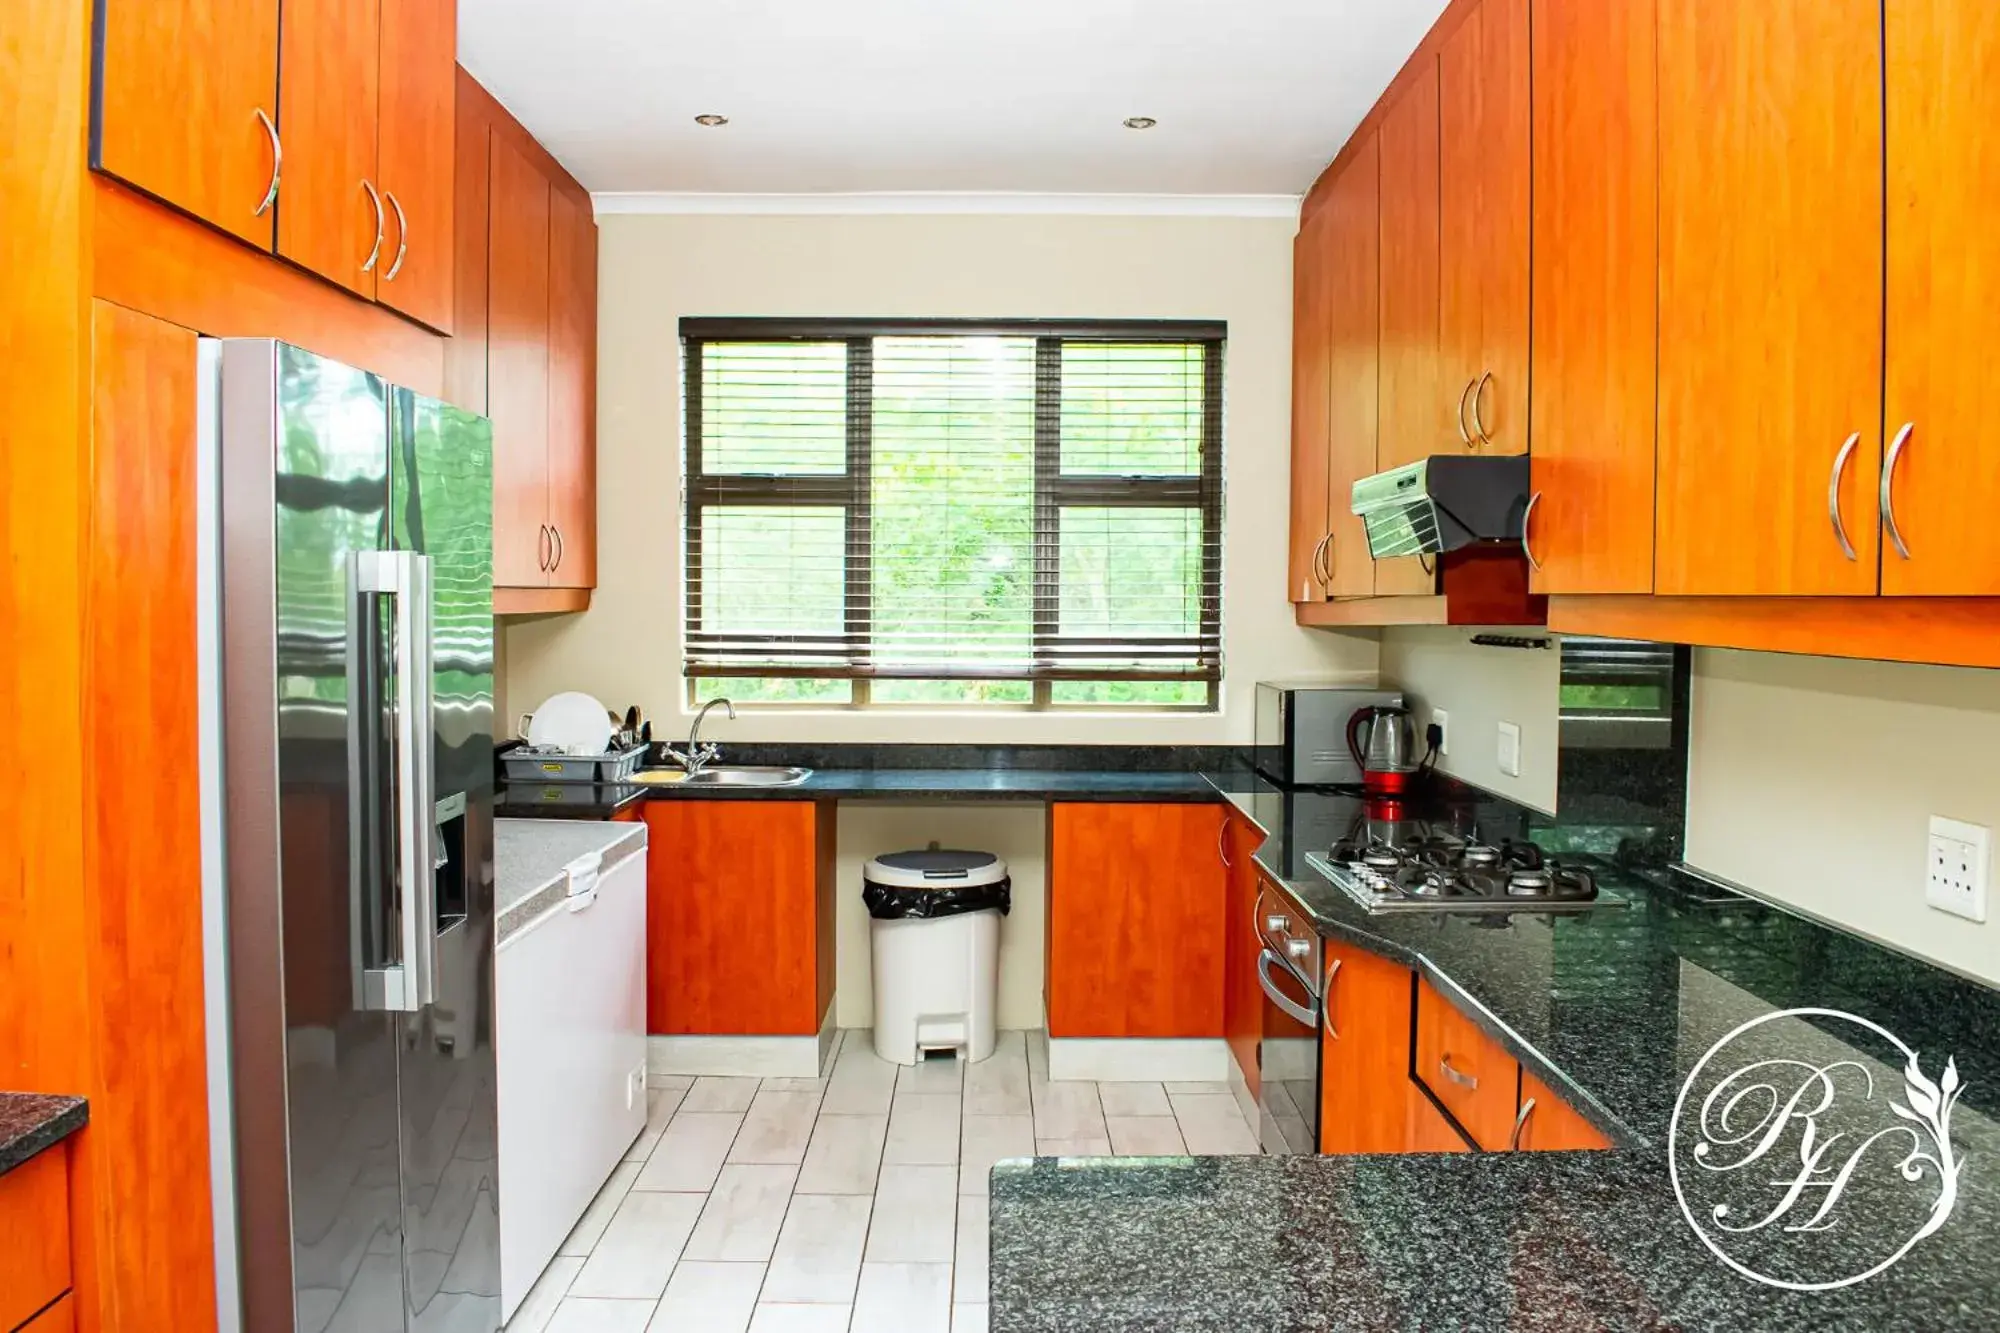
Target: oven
(1288,963)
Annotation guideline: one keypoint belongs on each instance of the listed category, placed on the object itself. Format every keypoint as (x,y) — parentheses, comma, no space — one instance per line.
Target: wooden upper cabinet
(1309,390)
(332,218)
(1484,233)
(1596,307)
(1770,326)
(1365,1084)
(517,359)
(176,96)
(1944,298)
(414,157)
(1415,413)
(572,441)
(465,353)
(1353,320)
(1135,920)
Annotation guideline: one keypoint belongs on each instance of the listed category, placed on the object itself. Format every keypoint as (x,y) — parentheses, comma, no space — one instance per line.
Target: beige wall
(1480,688)
(1812,781)
(654,269)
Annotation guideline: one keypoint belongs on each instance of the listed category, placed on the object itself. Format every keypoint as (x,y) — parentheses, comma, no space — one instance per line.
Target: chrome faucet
(698,756)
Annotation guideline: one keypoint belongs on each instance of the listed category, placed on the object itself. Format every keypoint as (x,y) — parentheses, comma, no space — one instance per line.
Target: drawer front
(1467,1071)
(34,1236)
(58,1318)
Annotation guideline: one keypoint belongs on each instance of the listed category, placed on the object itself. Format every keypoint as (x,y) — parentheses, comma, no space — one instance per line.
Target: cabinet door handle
(542,548)
(556,563)
(1833,494)
(1526,517)
(1464,394)
(277,163)
(1520,1123)
(1222,844)
(1478,391)
(402,236)
(1463,1080)
(1326,1000)
(380,220)
(1888,496)
(1319,577)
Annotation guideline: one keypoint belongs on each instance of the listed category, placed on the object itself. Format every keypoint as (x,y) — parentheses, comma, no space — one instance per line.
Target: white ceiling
(941,96)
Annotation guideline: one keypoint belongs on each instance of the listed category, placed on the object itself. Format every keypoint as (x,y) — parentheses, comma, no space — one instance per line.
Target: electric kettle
(1383,741)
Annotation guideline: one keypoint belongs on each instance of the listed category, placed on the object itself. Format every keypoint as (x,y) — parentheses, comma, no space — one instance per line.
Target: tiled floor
(849,1204)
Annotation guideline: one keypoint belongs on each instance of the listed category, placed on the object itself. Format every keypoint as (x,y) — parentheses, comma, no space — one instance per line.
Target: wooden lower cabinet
(1242,995)
(58,1318)
(1426,1128)
(1364,1074)
(34,1236)
(739,917)
(1548,1124)
(1470,1074)
(1136,928)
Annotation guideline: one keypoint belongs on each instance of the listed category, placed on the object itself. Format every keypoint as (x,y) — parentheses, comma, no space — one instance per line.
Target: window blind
(935,501)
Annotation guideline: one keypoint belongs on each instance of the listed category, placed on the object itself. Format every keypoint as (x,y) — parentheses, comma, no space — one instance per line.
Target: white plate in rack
(575,721)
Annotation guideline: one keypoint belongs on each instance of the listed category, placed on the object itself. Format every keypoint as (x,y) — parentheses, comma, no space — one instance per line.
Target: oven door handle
(1285,1002)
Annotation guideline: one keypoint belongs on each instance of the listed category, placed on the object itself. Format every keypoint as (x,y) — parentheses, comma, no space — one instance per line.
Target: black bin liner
(888,903)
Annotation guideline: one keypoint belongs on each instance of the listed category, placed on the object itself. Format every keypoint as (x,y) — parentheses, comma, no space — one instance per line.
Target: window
(924,512)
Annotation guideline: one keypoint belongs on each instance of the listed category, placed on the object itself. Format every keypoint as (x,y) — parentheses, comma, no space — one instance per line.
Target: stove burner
(1382,858)
(1481,856)
(1431,885)
(1529,883)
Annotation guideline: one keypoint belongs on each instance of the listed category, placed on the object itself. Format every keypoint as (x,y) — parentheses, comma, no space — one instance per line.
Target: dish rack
(526,764)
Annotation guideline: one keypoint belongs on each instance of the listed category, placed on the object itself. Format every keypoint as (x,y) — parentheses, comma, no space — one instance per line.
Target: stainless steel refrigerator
(347,618)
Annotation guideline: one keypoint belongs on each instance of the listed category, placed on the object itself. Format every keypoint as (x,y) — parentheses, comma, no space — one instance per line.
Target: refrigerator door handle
(405,577)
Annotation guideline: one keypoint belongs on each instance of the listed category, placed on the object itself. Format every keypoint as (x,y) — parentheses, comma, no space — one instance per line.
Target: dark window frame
(846,656)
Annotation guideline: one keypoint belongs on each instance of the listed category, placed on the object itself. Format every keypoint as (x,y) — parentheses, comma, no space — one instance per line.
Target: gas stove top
(1446,873)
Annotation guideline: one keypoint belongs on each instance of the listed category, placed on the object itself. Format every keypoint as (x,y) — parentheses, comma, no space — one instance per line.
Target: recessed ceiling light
(1140,122)
(711,120)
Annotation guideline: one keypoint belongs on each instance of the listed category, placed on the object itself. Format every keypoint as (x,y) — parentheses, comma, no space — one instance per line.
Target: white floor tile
(776,1129)
(711,1094)
(862,1082)
(661,1103)
(540,1304)
(818,1256)
(968,1274)
(741,1220)
(598,1216)
(678,1082)
(639,1248)
(988,1139)
(1133,1099)
(708,1298)
(1196,1089)
(800,1319)
(1145,1135)
(944,1074)
(1038,1056)
(1212,1124)
(923,1131)
(968,1319)
(794,1085)
(690,1152)
(601,1316)
(845,1154)
(914,1218)
(1087,1146)
(903,1298)
(1068,1111)
(998,1085)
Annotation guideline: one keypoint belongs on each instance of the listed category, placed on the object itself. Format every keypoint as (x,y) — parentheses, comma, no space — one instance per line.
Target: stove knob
(1298,948)
(1278,925)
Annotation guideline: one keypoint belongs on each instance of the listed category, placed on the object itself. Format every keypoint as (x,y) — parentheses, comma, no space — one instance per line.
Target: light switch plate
(1510,749)
(1957,863)
(1442,721)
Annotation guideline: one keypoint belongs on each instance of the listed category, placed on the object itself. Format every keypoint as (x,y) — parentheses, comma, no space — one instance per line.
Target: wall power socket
(1957,864)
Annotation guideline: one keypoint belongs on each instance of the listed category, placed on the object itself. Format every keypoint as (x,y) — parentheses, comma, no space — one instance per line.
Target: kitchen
(1693,261)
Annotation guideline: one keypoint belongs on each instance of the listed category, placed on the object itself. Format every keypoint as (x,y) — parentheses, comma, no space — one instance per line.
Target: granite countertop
(1612,1007)
(531,859)
(32,1121)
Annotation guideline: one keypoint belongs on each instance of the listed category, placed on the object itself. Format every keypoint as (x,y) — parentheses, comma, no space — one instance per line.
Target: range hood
(1442,503)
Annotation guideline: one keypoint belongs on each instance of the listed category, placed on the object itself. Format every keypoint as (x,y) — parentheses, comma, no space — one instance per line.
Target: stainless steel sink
(725,775)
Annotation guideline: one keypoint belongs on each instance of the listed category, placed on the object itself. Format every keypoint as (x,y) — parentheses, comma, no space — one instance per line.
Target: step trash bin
(935,937)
